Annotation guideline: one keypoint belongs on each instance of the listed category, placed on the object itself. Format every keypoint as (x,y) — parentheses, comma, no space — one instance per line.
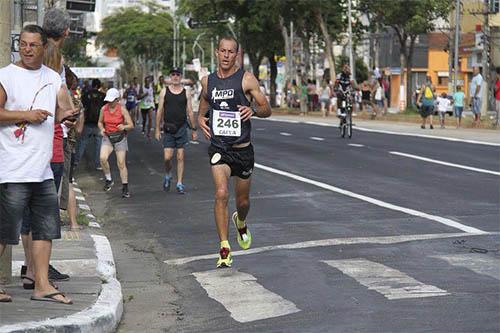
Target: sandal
(4,298)
(51,298)
(31,285)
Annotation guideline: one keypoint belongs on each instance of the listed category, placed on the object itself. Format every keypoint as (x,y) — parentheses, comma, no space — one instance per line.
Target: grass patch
(82,219)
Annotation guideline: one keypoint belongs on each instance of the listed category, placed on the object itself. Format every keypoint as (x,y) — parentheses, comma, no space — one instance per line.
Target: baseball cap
(176,70)
(111,95)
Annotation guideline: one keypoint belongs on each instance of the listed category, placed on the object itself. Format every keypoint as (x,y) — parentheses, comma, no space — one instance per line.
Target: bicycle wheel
(349,125)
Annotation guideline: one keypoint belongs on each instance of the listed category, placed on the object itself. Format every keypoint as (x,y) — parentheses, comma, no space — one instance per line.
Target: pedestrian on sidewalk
(497,95)
(32,99)
(92,102)
(476,94)
(426,100)
(173,111)
(226,95)
(324,99)
(442,103)
(379,96)
(458,105)
(114,122)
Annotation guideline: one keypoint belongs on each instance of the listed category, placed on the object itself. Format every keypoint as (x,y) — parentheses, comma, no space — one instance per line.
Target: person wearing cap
(114,121)
(174,108)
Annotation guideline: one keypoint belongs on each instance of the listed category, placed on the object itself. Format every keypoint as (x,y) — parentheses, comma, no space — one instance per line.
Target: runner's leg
(221,174)
(105,152)
(180,165)
(168,154)
(121,158)
(242,193)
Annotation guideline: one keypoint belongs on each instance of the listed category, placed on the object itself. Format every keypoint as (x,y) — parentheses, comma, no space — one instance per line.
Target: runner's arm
(262,108)
(159,113)
(100,122)
(128,120)
(189,109)
(203,108)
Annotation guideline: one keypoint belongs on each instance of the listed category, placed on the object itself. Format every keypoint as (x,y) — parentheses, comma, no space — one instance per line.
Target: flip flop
(6,298)
(50,298)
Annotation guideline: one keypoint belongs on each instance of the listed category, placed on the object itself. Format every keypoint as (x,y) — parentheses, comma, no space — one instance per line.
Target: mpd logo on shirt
(222,94)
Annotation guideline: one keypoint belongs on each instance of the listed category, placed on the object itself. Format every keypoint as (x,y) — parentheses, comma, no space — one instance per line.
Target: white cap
(111,95)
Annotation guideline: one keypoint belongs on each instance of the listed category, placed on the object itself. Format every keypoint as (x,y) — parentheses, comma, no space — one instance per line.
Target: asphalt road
(349,236)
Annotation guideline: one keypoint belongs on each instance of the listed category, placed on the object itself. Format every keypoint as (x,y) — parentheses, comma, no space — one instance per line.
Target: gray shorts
(476,105)
(37,199)
(177,140)
(119,146)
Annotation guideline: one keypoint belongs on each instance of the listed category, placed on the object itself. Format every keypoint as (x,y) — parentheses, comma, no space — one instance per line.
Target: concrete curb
(102,317)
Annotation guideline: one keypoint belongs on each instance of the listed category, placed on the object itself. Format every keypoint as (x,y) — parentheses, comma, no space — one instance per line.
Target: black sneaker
(54,274)
(125,192)
(107,185)
(431,127)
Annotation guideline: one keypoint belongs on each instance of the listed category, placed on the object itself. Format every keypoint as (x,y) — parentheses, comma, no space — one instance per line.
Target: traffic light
(81,5)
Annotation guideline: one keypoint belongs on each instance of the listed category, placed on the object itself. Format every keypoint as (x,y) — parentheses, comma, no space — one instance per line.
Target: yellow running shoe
(243,236)
(225,258)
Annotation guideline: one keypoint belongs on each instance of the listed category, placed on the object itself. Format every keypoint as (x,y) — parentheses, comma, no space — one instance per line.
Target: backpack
(95,103)
(428,93)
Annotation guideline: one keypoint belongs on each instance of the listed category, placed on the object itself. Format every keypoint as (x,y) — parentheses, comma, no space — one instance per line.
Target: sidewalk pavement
(96,293)
(474,135)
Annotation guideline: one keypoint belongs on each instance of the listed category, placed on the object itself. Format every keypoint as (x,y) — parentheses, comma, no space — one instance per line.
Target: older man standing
(32,96)
(475,95)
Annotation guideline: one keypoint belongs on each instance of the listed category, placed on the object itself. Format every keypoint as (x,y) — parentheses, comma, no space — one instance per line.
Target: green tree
(414,18)
(73,51)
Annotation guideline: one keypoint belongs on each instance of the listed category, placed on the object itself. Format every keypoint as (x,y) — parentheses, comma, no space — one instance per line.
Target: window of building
(442,80)
(494,6)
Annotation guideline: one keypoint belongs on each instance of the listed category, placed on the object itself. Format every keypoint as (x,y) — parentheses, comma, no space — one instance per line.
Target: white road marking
(77,197)
(387,281)
(328,242)
(460,166)
(374,201)
(387,132)
(355,145)
(480,264)
(285,134)
(315,138)
(76,189)
(242,296)
(84,207)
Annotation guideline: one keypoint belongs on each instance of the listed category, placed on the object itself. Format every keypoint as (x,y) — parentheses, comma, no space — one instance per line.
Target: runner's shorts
(40,199)
(177,140)
(240,160)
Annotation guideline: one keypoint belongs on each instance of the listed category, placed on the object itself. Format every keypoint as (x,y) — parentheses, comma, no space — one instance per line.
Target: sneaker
(125,192)
(166,183)
(243,236)
(54,274)
(180,188)
(225,258)
(107,185)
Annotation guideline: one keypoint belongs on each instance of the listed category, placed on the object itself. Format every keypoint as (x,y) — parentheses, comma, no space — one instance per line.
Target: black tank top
(174,105)
(224,95)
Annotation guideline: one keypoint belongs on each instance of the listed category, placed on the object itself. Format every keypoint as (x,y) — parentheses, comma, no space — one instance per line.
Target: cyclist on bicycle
(344,89)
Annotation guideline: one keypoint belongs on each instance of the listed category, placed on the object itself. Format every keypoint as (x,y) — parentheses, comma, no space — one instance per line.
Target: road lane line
(374,201)
(389,282)
(328,242)
(315,138)
(242,296)
(355,145)
(285,134)
(386,132)
(480,264)
(460,166)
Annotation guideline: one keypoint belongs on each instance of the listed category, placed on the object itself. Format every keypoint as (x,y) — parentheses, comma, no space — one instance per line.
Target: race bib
(226,123)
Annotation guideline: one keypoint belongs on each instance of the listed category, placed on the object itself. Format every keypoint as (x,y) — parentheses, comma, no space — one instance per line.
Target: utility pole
(457,42)
(349,27)
(183,57)
(5,40)
(486,46)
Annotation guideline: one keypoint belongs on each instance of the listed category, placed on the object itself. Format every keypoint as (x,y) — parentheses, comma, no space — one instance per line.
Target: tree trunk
(409,65)
(254,60)
(288,54)
(328,43)
(272,83)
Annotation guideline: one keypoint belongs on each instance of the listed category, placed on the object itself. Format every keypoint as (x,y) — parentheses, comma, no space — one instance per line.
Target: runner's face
(226,54)
(31,50)
(175,78)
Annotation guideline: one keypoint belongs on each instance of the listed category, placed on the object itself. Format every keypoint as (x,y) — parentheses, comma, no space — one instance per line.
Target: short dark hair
(35,29)
(229,38)
(56,22)
(96,83)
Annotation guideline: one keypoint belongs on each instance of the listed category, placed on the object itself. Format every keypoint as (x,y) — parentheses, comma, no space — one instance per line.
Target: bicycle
(345,116)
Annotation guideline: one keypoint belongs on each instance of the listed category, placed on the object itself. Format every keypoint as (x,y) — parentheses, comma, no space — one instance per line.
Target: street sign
(81,5)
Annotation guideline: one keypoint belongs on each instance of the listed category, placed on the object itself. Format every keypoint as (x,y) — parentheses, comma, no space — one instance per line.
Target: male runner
(173,109)
(225,99)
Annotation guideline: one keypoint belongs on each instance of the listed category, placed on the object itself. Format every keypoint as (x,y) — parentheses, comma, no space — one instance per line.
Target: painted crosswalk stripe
(356,145)
(387,281)
(285,134)
(315,138)
(409,211)
(242,296)
(480,264)
(459,166)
